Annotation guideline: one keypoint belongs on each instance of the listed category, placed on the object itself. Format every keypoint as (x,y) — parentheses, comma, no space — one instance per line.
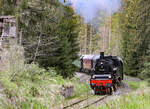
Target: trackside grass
(139,99)
(27,86)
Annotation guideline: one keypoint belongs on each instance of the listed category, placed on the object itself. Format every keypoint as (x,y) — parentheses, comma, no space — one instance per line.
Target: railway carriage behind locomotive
(106,72)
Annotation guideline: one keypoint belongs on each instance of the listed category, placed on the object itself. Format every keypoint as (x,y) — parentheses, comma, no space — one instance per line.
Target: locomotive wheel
(119,82)
(110,91)
(95,92)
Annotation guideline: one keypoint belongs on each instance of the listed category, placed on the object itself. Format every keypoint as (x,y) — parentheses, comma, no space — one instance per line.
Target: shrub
(27,83)
(29,86)
(145,74)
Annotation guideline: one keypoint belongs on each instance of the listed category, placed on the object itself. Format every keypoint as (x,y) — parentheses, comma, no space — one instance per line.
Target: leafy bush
(145,74)
(23,83)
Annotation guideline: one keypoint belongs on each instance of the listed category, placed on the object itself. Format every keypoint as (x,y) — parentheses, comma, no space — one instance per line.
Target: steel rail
(78,102)
(74,103)
(95,101)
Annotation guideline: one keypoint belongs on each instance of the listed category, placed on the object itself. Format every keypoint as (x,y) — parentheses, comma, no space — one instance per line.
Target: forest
(52,34)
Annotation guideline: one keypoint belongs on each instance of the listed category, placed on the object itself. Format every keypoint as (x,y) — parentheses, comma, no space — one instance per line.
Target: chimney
(102,55)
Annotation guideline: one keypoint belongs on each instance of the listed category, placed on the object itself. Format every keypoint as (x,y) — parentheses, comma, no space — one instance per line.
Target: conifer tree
(49,33)
(68,49)
(135,35)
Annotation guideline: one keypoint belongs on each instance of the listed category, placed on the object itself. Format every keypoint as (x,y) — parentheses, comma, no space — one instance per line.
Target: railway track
(96,101)
(84,103)
(71,105)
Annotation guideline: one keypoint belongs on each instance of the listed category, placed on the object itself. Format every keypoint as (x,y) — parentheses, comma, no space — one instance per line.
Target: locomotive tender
(106,72)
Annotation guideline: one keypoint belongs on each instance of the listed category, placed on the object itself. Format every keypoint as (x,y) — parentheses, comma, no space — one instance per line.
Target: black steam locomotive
(107,74)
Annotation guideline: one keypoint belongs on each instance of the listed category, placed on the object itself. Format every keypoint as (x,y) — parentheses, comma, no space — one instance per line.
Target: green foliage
(39,23)
(28,85)
(115,44)
(41,90)
(77,63)
(133,85)
(67,45)
(135,35)
(145,72)
(54,34)
(81,89)
(7,7)
(34,105)
(49,32)
(132,101)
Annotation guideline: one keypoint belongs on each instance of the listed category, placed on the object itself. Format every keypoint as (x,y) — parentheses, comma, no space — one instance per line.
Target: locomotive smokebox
(102,55)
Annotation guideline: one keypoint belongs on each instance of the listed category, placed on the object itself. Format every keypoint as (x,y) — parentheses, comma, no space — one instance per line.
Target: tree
(115,43)
(50,37)
(135,35)
(68,47)
(49,33)
(39,23)
(8,7)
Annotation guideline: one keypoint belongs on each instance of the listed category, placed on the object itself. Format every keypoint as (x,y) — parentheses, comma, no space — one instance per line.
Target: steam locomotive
(106,72)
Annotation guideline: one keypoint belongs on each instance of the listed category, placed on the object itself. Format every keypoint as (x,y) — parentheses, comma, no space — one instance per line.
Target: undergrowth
(27,86)
(139,99)
(133,84)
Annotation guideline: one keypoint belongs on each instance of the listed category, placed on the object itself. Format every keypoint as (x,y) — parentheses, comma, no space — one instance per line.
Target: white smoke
(89,9)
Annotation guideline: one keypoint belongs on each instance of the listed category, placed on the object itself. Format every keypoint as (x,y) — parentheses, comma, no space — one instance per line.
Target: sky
(89,9)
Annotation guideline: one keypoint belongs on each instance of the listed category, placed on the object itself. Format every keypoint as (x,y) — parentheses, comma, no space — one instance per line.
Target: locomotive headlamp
(93,76)
(114,69)
(109,76)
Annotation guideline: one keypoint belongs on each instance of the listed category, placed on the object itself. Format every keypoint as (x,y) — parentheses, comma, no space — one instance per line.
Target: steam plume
(90,9)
